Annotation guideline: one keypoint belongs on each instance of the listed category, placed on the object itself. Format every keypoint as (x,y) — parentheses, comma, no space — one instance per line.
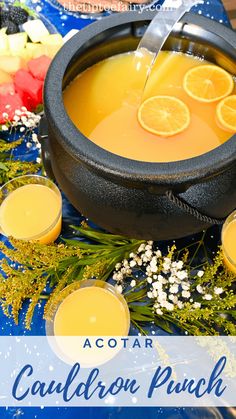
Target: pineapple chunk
(53,39)
(4,52)
(25,54)
(35,50)
(17,42)
(11,64)
(35,29)
(4,46)
(51,50)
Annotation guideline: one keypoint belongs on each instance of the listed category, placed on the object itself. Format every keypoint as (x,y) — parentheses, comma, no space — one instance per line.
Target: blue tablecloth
(63,22)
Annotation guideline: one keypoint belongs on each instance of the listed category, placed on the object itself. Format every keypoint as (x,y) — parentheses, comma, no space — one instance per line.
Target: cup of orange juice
(228,238)
(31,209)
(88,309)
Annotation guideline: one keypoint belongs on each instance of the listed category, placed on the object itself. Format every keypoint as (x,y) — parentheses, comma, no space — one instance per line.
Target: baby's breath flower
(132,263)
(182,275)
(141,248)
(154,293)
(149,271)
(157,285)
(4,128)
(174,299)
(185,294)
(133,283)
(158,254)
(119,289)
(180,304)
(199,289)
(160,278)
(207,297)
(169,306)
(179,264)
(200,274)
(148,253)
(166,267)
(162,297)
(153,261)
(23,119)
(197,305)
(185,286)
(159,312)
(174,288)
(139,262)
(218,291)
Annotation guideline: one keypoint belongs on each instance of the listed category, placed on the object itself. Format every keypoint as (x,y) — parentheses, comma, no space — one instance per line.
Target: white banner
(114,371)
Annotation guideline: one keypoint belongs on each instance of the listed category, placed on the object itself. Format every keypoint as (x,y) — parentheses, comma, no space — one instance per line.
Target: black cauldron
(142,200)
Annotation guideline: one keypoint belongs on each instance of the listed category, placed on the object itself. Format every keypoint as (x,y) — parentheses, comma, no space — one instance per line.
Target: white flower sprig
(169,283)
(24,122)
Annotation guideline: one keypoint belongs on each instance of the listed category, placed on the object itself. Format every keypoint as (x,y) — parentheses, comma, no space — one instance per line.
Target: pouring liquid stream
(155,37)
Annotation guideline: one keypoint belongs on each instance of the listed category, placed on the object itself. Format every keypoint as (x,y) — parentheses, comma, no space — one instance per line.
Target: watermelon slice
(29,88)
(9,104)
(38,67)
(7,89)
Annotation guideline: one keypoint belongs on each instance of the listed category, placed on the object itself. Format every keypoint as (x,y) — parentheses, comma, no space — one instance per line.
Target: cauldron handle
(43,138)
(183,205)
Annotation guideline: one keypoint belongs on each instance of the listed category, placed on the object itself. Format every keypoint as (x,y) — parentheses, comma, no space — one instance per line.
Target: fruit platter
(26,50)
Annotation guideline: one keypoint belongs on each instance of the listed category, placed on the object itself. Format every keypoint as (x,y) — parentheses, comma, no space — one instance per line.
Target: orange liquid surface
(91,311)
(103,102)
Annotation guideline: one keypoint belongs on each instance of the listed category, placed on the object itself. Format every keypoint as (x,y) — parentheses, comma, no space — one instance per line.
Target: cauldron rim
(188,171)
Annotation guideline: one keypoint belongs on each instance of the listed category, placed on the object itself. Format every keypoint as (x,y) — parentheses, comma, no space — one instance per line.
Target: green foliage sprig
(11,167)
(33,266)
